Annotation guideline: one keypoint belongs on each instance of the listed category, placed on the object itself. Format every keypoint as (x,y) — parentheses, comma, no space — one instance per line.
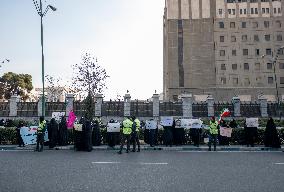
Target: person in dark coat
(96,134)
(178,135)
(19,138)
(62,132)
(222,139)
(250,134)
(271,138)
(233,124)
(112,138)
(195,134)
(168,135)
(87,136)
(52,133)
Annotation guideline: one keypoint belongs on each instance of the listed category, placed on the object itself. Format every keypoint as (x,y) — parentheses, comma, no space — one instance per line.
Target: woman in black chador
(222,139)
(52,133)
(168,135)
(271,138)
(63,134)
(20,140)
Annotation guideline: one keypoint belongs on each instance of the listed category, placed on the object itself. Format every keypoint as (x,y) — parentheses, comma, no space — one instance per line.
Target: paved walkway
(147,147)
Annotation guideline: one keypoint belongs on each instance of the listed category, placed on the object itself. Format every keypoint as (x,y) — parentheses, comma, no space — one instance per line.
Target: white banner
(57,115)
(113,127)
(189,123)
(226,132)
(29,136)
(167,121)
(151,124)
(252,122)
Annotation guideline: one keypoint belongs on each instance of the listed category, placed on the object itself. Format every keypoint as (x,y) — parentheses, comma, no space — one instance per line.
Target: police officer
(40,134)
(135,133)
(126,130)
(213,133)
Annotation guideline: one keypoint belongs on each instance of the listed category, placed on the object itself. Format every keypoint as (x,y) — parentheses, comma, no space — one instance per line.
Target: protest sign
(151,124)
(252,122)
(188,123)
(29,135)
(226,132)
(167,121)
(57,115)
(113,127)
(78,127)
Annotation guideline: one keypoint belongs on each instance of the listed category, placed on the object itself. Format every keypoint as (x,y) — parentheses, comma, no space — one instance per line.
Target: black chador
(52,133)
(271,138)
(63,134)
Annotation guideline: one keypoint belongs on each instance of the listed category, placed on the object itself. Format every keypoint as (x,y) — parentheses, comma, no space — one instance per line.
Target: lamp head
(52,8)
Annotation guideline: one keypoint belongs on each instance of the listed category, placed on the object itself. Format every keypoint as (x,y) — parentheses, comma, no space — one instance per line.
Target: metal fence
(171,109)
(79,108)
(113,108)
(54,107)
(250,109)
(141,109)
(199,110)
(220,106)
(27,109)
(4,109)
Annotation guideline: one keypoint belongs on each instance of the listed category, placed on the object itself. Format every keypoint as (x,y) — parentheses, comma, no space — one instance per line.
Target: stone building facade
(217,47)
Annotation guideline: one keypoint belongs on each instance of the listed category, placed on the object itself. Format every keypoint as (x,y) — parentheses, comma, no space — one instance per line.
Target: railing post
(186,105)
(98,105)
(127,102)
(156,105)
(210,106)
(263,106)
(69,104)
(13,106)
(39,106)
(237,106)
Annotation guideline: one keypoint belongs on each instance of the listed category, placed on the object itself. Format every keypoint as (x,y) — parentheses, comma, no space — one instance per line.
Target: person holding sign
(135,133)
(126,130)
(213,133)
(40,134)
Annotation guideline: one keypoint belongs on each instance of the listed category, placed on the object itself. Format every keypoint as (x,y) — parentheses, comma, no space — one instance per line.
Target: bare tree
(55,88)
(89,77)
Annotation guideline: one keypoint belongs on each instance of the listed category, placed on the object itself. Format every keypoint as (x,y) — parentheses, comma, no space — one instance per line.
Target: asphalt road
(166,171)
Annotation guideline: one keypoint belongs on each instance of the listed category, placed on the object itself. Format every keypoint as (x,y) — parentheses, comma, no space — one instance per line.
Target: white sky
(125,35)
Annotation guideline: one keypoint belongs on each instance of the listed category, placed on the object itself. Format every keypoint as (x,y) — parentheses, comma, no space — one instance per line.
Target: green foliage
(8,135)
(89,107)
(12,83)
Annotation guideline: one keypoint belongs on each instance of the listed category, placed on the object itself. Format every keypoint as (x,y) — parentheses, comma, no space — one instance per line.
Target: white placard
(151,124)
(113,127)
(57,115)
(78,127)
(226,132)
(252,122)
(189,123)
(29,136)
(167,121)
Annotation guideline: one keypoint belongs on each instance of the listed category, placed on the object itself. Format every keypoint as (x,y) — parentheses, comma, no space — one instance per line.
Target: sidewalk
(147,147)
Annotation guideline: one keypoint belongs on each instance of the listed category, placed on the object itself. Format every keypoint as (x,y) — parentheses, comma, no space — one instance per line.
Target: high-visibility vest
(41,127)
(127,127)
(214,128)
(137,123)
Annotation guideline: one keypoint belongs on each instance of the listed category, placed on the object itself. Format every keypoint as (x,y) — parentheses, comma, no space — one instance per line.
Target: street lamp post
(274,61)
(42,14)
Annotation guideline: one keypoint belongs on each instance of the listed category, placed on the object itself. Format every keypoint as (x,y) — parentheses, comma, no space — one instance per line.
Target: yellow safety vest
(127,127)
(41,127)
(137,123)
(214,128)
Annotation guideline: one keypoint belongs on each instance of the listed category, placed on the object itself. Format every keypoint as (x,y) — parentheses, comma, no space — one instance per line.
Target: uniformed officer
(126,133)
(213,133)
(135,133)
(40,134)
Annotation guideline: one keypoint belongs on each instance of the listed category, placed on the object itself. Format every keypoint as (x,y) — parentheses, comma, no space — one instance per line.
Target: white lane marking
(105,162)
(230,151)
(279,163)
(153,163)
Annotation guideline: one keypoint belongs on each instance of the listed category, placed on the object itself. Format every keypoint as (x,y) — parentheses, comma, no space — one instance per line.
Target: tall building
(224,48)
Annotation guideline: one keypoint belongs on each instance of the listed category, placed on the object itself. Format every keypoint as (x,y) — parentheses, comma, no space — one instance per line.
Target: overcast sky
(125,35)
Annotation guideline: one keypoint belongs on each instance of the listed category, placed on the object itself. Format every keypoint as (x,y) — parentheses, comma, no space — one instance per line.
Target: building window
(222,38)
(278,24)
(281,80)
(257,66)
(275,10)
(255,10)
(245,11)
(279,10)
(263,10)
(232,25)
(270,80)
(221,25)
(235,81)
(234,66)
(222,52)
(244,38)
(246,81)
(241,11)
(244,24)
(234,52)
(233,38)
(269,66)
(220,11)
(281,65)
(279,37)
(266,24)
(257,53)
(223,66)
(267,10)
(268,51)
(267,37)
(223,80)
(246,66)
(229,11)
(255,38)
(251,11)
(280,51)
(245,51)
(255,24)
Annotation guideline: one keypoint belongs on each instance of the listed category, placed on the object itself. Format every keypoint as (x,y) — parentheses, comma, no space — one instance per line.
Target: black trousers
(20,140)
(135,139)
(212,138)
(124,138)
(39,141)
